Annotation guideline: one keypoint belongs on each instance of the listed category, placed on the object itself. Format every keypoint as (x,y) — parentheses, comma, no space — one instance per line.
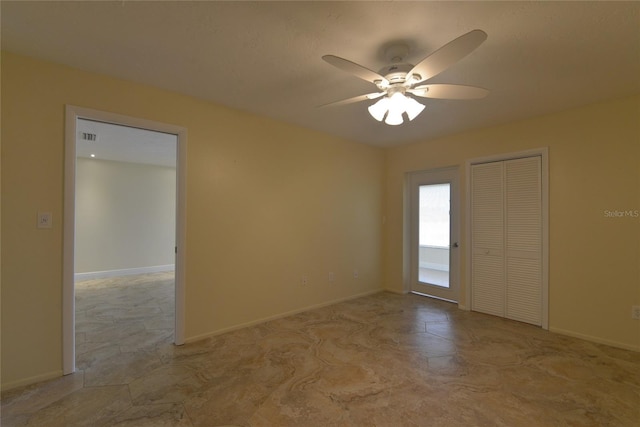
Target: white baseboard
(595,339)
(278,316)
(123,272)
(31,380)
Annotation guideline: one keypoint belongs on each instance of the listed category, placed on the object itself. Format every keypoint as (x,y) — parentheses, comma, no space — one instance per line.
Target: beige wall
(125,215)
(292,201)
(594,158)
(296,203)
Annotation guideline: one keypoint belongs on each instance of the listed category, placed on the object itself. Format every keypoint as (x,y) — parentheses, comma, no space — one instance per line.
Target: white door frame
(72,113)
(435,176)
(543,153)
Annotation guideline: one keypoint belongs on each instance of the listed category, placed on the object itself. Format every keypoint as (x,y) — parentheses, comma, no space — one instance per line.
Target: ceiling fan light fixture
(379,109)
(415,78)
(398,82)
(397,101)
(393,107)
(394,117)
(412,107)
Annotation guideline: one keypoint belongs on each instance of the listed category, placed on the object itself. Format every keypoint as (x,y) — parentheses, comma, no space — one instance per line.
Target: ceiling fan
(398,81)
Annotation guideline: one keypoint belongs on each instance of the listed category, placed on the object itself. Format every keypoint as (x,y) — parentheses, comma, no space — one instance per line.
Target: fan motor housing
(396,73)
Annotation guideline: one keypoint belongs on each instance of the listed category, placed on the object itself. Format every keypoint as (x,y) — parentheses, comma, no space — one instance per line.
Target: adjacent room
(124,240)
(320,213)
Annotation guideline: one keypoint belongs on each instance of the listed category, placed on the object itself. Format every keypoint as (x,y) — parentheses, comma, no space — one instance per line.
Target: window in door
(433,233)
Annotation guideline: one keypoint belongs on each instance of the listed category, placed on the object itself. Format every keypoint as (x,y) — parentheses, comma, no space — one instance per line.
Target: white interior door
(434,233)
(506,239)
(487,238)
(523,240)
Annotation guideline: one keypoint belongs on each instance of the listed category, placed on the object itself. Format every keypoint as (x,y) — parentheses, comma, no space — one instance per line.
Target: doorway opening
(433,227)
(123,231)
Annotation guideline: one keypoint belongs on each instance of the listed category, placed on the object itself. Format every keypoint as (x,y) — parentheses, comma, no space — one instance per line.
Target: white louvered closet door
(487,236)
(506,231)
(524,240)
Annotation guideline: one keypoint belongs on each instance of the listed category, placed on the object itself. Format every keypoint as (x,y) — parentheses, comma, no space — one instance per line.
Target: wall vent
(87,136)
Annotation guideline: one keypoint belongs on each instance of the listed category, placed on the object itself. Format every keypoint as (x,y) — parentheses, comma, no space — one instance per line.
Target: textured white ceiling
(126,144)
(265,57)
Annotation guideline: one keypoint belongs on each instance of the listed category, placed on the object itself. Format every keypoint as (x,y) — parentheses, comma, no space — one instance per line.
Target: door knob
(455,244)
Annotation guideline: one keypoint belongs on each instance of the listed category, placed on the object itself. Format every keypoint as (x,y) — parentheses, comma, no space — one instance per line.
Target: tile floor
(383,360)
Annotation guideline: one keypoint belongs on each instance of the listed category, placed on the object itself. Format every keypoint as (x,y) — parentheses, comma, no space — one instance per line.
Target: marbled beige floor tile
(197,352)
(381,360)
(30,399)
(124,312)
(121,368)
(90,353)
(160,322)
(159,415)
(80,337)
(113,332)
(230,402)
(90,325)
(169,384)
(146,340)
(297,407)
(89,406)
(450,330)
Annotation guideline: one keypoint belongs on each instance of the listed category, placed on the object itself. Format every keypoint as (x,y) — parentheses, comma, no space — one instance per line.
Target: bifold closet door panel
(487,225)
(524,240)
(506,234)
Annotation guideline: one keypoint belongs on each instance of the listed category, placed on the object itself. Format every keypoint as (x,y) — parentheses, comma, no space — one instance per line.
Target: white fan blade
(448,55)
(445,91)
(354,99)
(355,69)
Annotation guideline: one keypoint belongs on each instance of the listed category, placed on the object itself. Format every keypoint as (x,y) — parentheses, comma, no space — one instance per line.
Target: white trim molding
(594,339)
(123,272)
